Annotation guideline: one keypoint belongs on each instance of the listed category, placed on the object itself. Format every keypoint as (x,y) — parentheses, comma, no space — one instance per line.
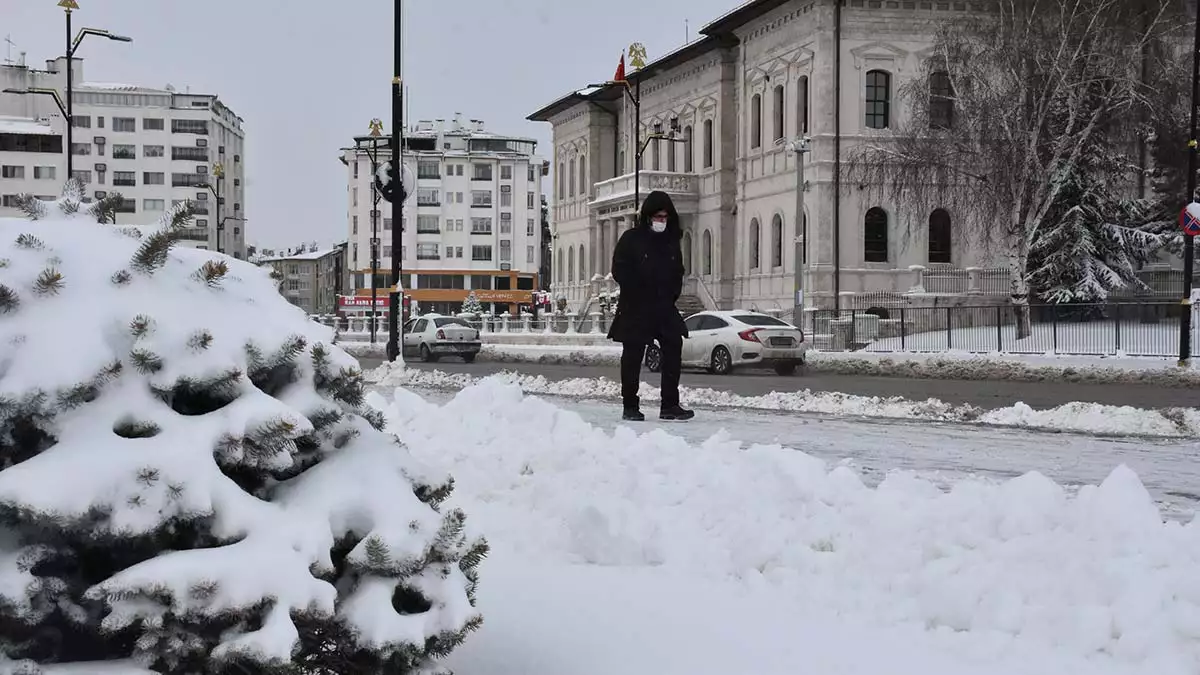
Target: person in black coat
(648,266)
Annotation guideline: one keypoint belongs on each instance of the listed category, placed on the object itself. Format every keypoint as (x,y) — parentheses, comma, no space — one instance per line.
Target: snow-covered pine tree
(189,479)
(472,305)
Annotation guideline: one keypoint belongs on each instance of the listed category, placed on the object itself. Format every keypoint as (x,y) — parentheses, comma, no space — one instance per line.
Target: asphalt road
(984,394)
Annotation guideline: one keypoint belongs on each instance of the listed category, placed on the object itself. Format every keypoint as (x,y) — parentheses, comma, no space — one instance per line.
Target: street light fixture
(371,147)
(218,171)
(799,145)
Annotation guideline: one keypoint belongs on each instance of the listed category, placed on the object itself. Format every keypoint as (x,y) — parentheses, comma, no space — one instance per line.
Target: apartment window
(81,121)
(429,224)
(458,224)
(153,205)
(353,196)
(506,172)
(353,224)
(44,172)
(124,124)
(153,124)
(529,227)
(100,122)
(427,252)
(529,173)
(404,253)
(429,169)
(505,250)
(529,200)
(356,171)
(529,254)
(124,152)
(458,169)
(458,197)
(481,253)
(756,121)
(458,251)
(190,127)
(481,198)
(802,104)
(505,223)
(387,251)
(449,252)
(81,148)
(778,111)
(153,150)
(153,178)
(387,223)
(10,171)
(481,172)
(506,196)
(481,226)
(84,177)
(189,153)
(879,99)
(187,180)
(428,197)
(124,178)
(127,206)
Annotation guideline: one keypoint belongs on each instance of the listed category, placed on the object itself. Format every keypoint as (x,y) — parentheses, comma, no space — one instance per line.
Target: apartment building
(156,147)
(31,153)
(473,224)
(767,71)
(312,280)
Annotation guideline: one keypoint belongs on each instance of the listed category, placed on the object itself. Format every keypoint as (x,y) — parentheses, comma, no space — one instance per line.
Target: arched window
(571,264)
(777,241)
(571,180)
(583,176)
(671,152)
(562,181)
(582,264)
(939,237)
(755,244)
(802,104)
(755,121)
(941,100)
(875,236)
(706,252)
(689,164)
(708,144)
(779,111)
(654,150)
(561,267)
(879,99)
(687,253)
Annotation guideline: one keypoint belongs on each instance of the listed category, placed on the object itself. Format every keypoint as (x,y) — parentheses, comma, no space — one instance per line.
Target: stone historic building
(769,70)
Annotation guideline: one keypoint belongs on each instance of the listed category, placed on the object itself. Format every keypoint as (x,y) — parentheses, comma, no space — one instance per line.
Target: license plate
(781,342)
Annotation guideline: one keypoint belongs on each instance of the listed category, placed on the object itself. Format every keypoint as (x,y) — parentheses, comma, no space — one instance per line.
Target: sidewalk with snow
(712,557)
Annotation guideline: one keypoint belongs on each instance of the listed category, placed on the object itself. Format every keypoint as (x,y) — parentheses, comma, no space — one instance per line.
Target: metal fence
(1133,329)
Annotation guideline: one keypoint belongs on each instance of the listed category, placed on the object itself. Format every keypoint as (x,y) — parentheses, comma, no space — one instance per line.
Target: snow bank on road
(1079,417)
(933,366)
(1018,574)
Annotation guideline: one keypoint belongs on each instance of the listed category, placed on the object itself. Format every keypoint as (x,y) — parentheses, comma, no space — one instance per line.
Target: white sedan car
(433,336)
(723,340)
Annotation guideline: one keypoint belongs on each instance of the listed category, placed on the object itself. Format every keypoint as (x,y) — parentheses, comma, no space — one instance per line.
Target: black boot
(633,415)
(675,413)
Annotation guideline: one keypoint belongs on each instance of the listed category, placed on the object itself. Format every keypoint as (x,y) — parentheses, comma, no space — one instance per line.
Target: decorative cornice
(882,51)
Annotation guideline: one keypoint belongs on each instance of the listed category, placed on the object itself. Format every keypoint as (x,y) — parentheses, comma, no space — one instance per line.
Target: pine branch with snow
(472,305)
(197,486)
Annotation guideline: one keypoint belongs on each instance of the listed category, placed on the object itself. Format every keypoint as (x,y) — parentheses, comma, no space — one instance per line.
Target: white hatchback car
(723,340)
(433,336)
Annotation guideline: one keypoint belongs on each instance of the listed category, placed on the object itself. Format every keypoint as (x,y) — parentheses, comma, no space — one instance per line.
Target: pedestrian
(648,266)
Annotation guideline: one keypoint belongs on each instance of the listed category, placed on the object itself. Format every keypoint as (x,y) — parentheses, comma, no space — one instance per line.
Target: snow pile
(1090,418)
(188,469)
(985,567)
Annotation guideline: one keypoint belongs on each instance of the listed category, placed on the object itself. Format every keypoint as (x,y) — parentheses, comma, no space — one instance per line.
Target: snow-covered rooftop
(118,86)
(24,125)
(306,255)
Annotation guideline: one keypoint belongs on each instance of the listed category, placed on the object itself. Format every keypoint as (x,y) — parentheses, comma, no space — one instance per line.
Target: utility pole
(1189,239)
(68,6)
(394,182)
(799,146)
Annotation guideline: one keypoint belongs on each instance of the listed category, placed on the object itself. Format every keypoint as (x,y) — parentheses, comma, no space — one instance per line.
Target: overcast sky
(306,76)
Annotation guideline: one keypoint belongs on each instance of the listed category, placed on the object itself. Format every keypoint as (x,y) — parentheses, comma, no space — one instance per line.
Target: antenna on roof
(687,33)
(9,44)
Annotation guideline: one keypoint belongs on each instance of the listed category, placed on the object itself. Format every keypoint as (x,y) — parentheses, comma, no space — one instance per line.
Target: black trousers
(632,354)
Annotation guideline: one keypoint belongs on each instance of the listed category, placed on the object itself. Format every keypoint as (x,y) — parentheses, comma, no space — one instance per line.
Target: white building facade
(156,147)
(474,223)
(770,70)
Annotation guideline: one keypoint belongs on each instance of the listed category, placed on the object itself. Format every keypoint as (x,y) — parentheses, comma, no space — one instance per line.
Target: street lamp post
(1189,242)
(218,172)
(397,158)
(799,146)
(373,155)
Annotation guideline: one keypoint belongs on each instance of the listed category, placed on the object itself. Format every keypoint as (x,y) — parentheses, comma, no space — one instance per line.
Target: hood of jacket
(660,201)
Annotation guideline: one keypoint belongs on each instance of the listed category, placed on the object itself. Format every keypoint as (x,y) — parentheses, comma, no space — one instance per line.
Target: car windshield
(760,320)
(449,321)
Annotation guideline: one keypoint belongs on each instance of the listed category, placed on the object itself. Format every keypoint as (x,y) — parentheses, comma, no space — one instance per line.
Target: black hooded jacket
(648,266)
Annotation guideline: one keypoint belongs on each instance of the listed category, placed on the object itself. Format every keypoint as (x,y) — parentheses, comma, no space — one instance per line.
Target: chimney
(458,125)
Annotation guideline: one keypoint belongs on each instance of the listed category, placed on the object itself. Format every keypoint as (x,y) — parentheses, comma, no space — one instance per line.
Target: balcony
(616,194)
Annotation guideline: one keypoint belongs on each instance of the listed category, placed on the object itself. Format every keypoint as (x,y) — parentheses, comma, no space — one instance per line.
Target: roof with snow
(307,255)
(25,125)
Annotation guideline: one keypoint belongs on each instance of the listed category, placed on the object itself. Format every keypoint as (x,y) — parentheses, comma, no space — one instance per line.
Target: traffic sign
(1190,219)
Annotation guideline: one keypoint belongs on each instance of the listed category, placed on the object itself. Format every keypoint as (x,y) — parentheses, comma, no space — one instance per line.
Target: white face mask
(659,226)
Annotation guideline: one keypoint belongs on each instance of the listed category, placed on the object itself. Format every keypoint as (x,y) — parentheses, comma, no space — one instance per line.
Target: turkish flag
(620,76)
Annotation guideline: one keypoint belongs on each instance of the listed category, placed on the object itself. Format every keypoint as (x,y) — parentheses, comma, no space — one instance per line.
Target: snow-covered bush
(189,481)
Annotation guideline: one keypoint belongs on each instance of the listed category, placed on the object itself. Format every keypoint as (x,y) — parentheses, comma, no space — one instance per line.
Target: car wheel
(786,368)
(721,362)
(468,358)
(653,359)
(426,355)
